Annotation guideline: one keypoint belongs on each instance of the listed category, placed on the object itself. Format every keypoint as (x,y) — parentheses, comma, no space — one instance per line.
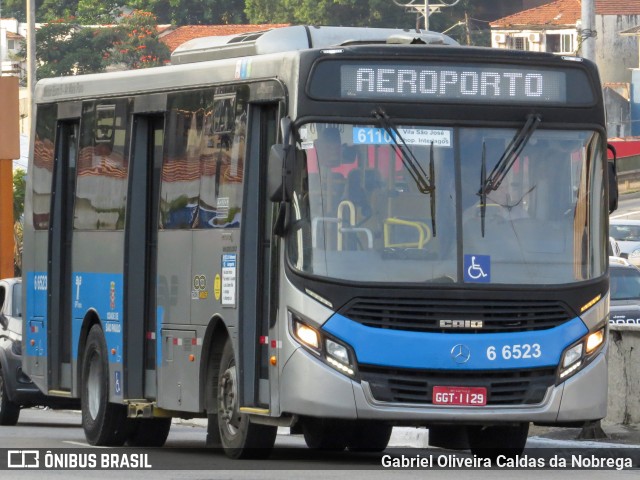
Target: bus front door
(60,285)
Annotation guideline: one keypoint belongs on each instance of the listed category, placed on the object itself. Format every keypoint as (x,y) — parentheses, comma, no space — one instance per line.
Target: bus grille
(504,387)
(424,315)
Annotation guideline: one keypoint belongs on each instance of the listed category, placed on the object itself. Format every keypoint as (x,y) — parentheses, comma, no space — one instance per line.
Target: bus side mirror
(612,167)
(4,321)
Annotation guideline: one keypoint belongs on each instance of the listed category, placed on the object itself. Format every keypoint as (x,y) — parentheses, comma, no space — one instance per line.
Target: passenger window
(103,167)
(228,136)
(185,147)
(42,175)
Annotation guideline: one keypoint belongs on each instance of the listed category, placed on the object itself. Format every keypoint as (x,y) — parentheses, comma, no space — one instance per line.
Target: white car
(625,294)
(627,234)
(17,391)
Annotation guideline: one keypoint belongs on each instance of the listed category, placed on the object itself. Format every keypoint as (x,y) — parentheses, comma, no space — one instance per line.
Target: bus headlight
(580,354)
(307,335)
(334,353)
(572,355)
(595,340)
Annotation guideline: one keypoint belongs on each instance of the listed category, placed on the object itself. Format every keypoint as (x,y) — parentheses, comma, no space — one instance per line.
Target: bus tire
(149,432)
(492,441)
(369,437)
(104,423)
(326,433)
(9,411)
(239,437)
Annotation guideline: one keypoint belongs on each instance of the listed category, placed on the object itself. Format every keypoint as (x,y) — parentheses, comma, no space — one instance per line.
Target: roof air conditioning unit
(500,38)
(534,37)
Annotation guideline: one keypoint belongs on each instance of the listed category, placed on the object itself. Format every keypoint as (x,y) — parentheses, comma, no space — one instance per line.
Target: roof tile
(565,13)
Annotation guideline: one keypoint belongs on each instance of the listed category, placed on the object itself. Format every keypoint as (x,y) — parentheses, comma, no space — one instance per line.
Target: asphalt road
(184,456)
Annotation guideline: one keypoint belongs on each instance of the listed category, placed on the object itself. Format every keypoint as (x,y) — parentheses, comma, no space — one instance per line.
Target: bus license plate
(470,396)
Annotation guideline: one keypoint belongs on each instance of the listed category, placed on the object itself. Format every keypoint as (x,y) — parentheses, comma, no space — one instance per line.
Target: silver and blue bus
(337,230)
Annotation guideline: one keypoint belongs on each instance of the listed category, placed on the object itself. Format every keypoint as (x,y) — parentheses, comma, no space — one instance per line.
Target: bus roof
(288,39)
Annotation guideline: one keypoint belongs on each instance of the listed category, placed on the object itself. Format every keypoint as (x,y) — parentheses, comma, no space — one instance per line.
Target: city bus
(336,230)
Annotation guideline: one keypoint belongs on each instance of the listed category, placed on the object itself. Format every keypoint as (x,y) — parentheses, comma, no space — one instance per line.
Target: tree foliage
(19,185)
(359,13)
(373,13)
(64,47)
(18,193)
(137,44)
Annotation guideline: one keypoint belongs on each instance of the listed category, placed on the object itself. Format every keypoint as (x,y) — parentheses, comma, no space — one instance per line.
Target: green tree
(357,13)
(50,10)
(18,193)
(92,12)
(18,209)
(137,44)
(66,48)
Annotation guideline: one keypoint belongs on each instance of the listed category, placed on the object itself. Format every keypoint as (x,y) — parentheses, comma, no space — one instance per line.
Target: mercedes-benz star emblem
(460,353)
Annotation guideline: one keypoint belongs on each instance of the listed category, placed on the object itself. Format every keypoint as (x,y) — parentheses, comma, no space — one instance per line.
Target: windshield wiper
(424,182)
(502,168)
(515,147)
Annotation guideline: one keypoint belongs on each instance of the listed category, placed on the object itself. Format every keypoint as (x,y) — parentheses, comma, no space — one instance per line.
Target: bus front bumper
(310,387)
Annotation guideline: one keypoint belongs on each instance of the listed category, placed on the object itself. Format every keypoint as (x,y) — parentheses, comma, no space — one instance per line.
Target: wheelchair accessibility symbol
(477,268)
(117,383)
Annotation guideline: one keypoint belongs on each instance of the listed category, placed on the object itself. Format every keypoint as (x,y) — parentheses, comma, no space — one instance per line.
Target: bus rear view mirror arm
(278,178)
(280,163)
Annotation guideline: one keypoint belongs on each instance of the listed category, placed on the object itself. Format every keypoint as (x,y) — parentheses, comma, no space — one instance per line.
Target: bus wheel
(9,411)
(239,437)
(104,423)
(326,434)
(369,437)
(489,442)
(149,432)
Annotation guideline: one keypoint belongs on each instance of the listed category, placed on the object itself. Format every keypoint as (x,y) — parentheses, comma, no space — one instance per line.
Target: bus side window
(181,166)
(103,167)
(230,126)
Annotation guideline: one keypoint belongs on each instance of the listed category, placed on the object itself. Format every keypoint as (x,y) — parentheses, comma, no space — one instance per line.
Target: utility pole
(426,14)
(466,26)
(587,31)
(31,57)
(422,8)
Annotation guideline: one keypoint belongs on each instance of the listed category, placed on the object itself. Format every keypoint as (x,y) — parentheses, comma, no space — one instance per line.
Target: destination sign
(445,83)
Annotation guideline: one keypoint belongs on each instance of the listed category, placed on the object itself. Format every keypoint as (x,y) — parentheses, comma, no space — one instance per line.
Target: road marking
(82,444)
(624,215)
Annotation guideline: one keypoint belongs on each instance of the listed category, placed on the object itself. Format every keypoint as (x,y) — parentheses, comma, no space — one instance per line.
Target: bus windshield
(412,205)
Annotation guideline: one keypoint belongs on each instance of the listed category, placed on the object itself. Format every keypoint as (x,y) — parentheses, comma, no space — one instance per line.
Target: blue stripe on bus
(159,321)
(402,349)
(101,292)
(36,314)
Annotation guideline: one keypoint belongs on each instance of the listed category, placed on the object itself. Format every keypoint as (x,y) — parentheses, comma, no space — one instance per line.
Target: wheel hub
(94,386)
(227,396)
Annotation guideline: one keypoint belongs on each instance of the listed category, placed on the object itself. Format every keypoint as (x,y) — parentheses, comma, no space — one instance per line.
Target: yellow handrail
(424,233)
(352,218)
